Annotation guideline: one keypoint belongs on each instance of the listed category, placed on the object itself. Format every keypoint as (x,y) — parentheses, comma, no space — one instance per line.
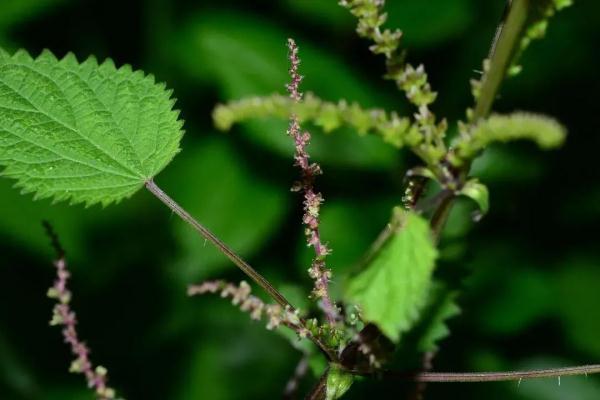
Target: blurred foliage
(529,271)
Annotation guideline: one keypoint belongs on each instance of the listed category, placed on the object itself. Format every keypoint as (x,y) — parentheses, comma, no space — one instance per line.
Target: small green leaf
(477,192)
(394,288)
(349,227)
(440,308)
(422,172)
(338,382)
(82,132)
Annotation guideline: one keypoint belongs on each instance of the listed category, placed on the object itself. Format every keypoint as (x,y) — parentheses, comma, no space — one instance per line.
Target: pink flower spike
(312,200)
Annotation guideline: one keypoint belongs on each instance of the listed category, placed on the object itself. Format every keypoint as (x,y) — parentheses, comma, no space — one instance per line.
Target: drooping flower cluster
(241,296)
(312,199)
(63,315)
(370,20)
(326,115)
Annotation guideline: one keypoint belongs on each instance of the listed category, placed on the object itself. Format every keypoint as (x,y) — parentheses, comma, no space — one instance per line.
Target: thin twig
(222,247)
(236,259)
(496,376)
(447,377)
(312,199)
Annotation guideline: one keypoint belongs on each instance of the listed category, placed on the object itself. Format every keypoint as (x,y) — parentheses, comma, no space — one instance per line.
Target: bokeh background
(529,272)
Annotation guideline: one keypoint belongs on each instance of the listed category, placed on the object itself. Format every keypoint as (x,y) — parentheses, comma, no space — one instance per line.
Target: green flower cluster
(542,11)
(546,132)
(328,116)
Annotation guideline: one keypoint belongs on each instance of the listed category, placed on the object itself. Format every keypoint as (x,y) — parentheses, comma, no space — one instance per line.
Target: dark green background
(530,271)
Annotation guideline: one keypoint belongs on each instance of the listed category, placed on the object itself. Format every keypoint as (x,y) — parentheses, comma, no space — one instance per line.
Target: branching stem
(503,48)
(501,53)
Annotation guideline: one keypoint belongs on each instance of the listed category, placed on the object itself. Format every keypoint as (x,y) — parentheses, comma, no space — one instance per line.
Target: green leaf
(83,132)
(440,308)
(338,382)
(394,288)
(477,192)
(349,227)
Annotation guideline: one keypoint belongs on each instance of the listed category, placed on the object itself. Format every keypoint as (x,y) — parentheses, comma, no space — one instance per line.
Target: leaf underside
(393,289)
(84,132)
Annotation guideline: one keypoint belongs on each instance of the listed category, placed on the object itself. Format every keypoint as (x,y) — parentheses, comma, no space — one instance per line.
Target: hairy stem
(236,259)
(222,247)
(502,50)
(441,377)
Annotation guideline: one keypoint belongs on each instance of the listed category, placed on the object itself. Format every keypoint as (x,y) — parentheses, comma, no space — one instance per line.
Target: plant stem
(500,376)
(503,47)
(447,377)
(502,50)
(440,215)
(236,259)
(223,248)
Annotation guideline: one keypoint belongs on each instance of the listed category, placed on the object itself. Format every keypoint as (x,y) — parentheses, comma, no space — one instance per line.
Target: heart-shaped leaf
(393,289)
(85,132)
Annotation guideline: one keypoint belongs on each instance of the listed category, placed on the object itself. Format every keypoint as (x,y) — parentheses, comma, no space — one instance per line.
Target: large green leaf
(394,287)
(86,132)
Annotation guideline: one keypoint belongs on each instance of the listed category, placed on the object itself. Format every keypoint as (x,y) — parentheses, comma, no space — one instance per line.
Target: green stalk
(503,48)
(502,51)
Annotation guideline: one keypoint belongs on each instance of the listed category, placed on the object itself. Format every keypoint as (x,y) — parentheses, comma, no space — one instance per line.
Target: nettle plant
(95,134)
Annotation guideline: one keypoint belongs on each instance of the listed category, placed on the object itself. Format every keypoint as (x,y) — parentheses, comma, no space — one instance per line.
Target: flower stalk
(64,316)
(318,270)
(241,296)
